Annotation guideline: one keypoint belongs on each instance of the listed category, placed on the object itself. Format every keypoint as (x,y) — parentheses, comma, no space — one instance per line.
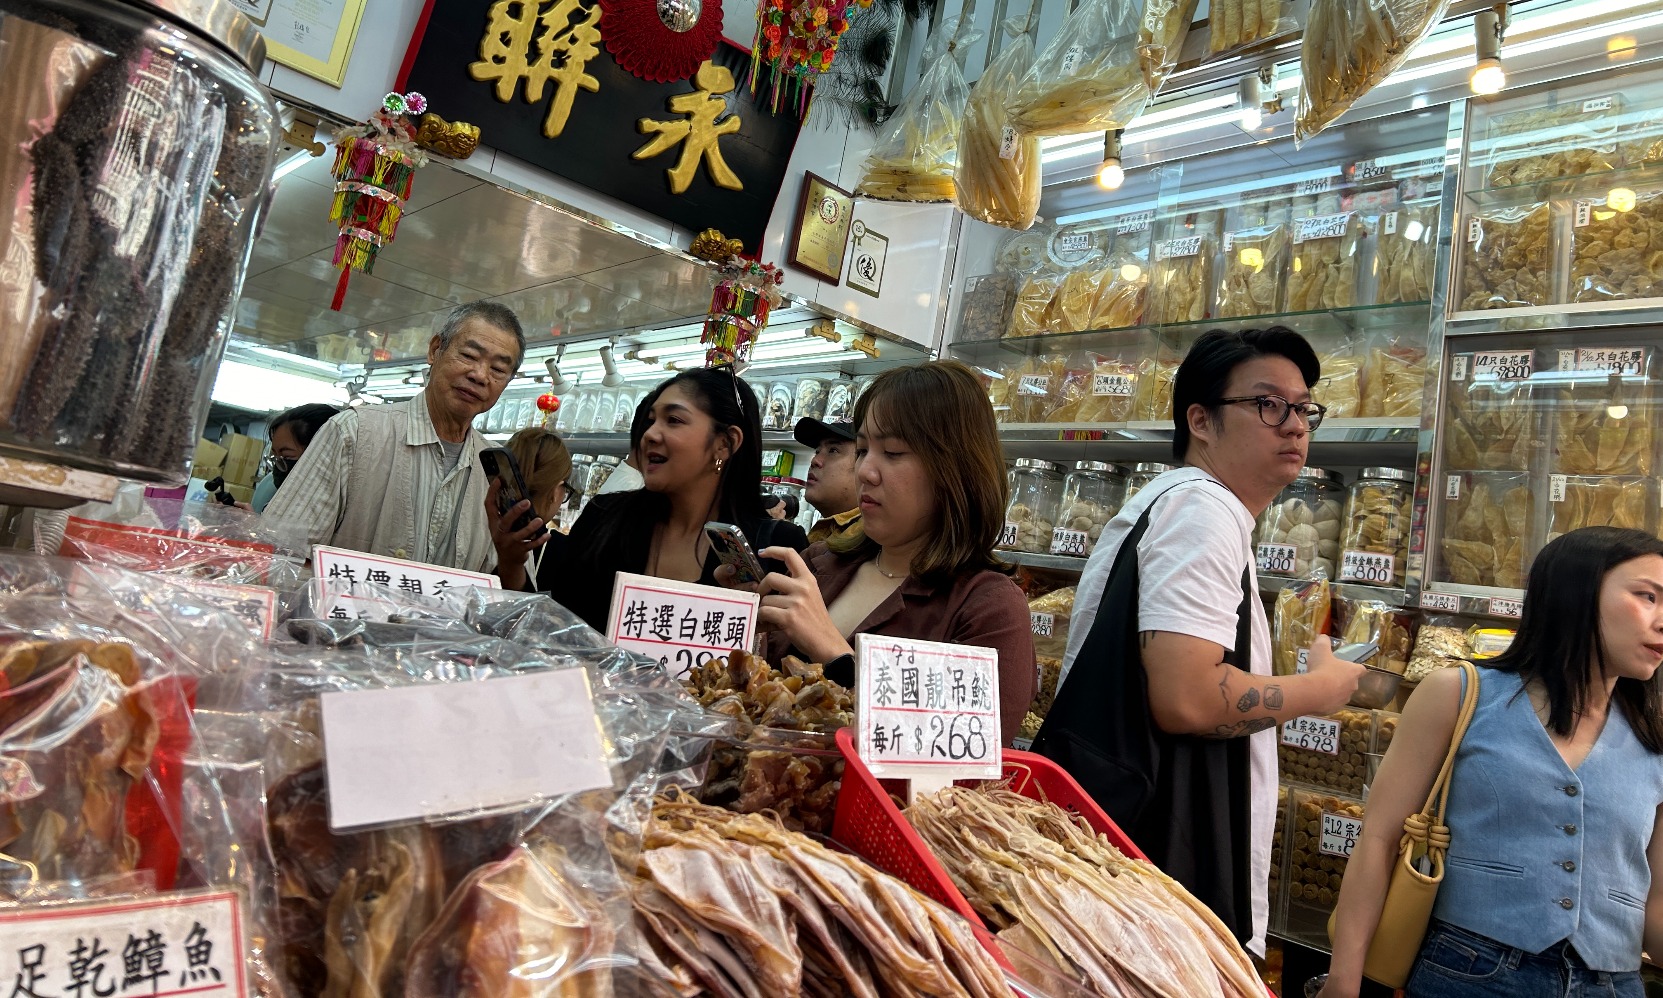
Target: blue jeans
(1455,963)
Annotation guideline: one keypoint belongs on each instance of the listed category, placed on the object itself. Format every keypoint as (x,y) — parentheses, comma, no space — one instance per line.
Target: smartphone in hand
(500,464)
(733,550)
(1360,651)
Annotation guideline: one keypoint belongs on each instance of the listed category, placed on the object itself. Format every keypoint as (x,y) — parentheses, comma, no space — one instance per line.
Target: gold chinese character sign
(700,135)
(540,43)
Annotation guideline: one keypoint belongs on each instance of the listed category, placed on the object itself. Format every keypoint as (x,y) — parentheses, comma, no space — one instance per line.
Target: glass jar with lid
(782,397)
(811,398)
(1036,492)
(1143,474)
(605,465)
(1299,534)
(1091,495)
(1374,540)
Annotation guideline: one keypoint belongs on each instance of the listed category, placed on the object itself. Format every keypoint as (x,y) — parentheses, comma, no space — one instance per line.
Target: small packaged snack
(1302,613)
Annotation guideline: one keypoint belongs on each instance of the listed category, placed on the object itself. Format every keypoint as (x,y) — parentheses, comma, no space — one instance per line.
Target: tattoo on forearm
(1273,698)
(1248,700)
(1242,728)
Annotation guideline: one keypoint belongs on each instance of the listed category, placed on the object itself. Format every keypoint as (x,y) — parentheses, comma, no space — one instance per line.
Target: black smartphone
(734,550)
(500,464)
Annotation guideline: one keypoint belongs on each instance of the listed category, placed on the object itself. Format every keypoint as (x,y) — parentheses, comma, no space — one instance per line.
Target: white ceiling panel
(674,285)
(269,317)
(369,297)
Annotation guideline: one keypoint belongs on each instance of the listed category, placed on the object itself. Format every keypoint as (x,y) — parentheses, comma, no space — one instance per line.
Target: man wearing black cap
(833,488)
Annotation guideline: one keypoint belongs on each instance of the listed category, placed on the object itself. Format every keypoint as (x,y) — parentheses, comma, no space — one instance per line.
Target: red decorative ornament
(548,403)
(639,35)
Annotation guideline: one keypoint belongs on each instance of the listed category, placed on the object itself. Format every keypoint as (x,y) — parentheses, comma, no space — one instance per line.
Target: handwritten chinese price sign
(928,708)
(353,569)
(166,944)
(681,625)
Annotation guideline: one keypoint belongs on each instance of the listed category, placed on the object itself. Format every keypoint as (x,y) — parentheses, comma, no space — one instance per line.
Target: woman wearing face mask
(700,449)
(545,464)
(291,434)
(932,499)
(1553,883)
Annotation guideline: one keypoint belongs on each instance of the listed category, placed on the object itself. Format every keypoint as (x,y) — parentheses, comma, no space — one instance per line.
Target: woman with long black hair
(1550,882)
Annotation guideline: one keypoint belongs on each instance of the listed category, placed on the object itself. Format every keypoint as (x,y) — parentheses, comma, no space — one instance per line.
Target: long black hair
(1559,641)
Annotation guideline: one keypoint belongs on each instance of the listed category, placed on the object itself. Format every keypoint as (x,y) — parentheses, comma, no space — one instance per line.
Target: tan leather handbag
(1410,896)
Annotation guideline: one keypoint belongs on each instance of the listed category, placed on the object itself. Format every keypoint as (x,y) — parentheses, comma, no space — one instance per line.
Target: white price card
(1075,242)
(173,943)
(1137,221)
(1313,734)
(1117,385)
(1557,486)
(1070,542)
(1174,249)
(1369,169)
(1313,185)
(1447,602)
(1321,227)
(355,568)
(1008,534)
(680,624)
(1302,664)
(1500,607)
(1503,365)
(1044,624)
(1604,360)
(1368,567)
(1339,834)
(1276,559)
(928,710)
(1034,384)
(1452,487)
(414,752)
(255,606)
(1007,143)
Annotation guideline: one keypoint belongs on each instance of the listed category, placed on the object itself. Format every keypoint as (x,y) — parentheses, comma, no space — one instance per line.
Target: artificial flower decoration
(661,41)
(739,310)
(797,40)
(375,165)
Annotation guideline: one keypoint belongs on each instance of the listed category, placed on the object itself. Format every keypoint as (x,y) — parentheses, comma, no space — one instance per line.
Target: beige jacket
(372,480)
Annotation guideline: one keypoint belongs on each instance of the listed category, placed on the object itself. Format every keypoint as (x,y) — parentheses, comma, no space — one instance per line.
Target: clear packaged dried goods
(1183,280)
(1561,140)
(1394,380)
(1325,829)
(1142,474)
(1325,264)
(916,153)
(1238,24)
(1339,763)
(1075,304)
(1108,396)
(1601,423)
(1374,545)
(1052,613)
(1485,528)
(1617,247)
(1440,643)
(1255,268)
(1124,293)
(1349,47)
(1033,383)
(1031,315)
(1031,517)
(1407,254)
(1156,378)
(988,303)
(1091,496)
(1507,259)
(1089,78)
(1342,381)
(1302,612)
(1577,502)
(1166,23)
(1491,424)
(1389,627)
(1298,535)
(999,177)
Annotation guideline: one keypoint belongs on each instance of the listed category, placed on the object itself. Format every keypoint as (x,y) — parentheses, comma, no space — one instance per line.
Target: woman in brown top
(932,498)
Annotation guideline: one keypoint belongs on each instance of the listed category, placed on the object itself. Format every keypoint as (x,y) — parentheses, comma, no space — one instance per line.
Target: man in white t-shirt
(1166,707)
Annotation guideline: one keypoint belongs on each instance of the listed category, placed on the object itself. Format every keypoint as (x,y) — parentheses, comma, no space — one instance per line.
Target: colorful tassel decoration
(375,167)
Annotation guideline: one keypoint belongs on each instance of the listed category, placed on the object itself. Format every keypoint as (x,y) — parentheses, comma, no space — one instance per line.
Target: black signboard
(703,152)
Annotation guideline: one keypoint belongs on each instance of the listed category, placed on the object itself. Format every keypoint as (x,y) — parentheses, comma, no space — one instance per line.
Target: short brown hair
(941,410)
(543,459)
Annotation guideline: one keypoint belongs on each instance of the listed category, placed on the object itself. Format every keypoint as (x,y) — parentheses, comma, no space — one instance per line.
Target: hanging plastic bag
(916,154)
(1239,24)
(1166,23)
(999,177)
(1349,47)
(1090,77)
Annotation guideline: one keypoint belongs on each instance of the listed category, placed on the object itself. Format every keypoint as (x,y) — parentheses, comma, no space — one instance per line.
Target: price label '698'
(1313,734)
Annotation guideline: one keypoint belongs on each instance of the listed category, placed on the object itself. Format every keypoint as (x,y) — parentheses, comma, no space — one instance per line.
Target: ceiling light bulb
(1488,78)
(1620,199)
(1111,176)
(1253,257)
(1251,119)
(1250,102)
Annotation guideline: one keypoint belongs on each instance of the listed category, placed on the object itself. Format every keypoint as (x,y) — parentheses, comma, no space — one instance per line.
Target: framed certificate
(312,36)
(822,231)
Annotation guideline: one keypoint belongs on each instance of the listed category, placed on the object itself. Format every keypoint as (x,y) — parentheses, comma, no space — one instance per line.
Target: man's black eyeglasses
(1274,409)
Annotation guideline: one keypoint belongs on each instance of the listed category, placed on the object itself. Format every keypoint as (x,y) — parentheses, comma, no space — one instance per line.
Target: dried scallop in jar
(1182,286)
(1617,248)
(1255,272)
(1602,424)
(1377,518)
(1505,260)
(1324,272)
(1602,502)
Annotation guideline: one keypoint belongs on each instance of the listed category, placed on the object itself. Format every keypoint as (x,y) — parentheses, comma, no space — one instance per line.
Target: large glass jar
(840,402)
(624,414)
(1092,494)
(782,397)
(1036,492)
(605,465)
(811,398)
(1143,474)
(1299,534)
(1374,543)
(135,163)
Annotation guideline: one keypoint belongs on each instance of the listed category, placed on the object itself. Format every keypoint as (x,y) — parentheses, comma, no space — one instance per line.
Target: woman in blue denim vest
(1554,797)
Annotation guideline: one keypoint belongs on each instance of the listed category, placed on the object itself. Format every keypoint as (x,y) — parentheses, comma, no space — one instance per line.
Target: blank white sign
(416,752)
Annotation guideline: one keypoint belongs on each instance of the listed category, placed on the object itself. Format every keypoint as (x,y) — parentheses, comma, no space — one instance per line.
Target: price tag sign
(1339,834)
(1008,534)
(1452,487)
(1593,104)
(1604,360)
(1312,734)
(355,568)
(1138,221)
(1369,169)
(1276,559)
(1504,365)
(1007,143)
(926,709)
(1034,384)
(175,943)
(1506,607)
(1321,227)
(1369,567)
(1174,249)
(1314,185)
(1584,214)
(1117,385)
(1075,242)
(413,752)
(1447,602)
(1071,60)
(1069,542)
(1044,624)
(255,606)
(1557,486)
(680,624)
(1302,662)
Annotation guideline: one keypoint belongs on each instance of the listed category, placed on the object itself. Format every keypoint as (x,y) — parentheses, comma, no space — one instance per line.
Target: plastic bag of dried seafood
(1303,611)
(916,154)
(1166,23)
(1394,378)
(205,541)
(1240,24)
(999,173)
(1349,47)
(1089,78)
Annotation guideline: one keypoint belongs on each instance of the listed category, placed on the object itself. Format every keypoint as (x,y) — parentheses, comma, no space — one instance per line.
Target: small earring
(718,466)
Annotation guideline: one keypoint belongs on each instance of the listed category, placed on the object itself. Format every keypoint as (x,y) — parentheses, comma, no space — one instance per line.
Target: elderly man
(404,480)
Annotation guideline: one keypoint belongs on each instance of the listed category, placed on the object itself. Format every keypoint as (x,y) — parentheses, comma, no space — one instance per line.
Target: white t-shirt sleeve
(1190,565)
